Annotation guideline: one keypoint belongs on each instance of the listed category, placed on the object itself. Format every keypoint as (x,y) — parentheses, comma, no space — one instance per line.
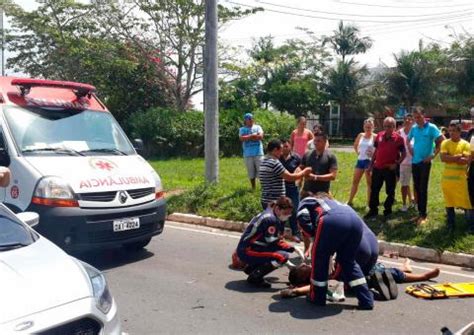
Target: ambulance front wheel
(138,245)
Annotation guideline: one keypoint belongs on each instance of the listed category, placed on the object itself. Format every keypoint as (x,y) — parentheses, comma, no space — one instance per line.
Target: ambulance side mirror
(138,145)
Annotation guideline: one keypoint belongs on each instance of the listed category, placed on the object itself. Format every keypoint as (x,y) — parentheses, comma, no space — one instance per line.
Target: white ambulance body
(73,165)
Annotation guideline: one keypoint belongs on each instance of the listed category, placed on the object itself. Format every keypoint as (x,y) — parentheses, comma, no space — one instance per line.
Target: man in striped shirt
(272,174)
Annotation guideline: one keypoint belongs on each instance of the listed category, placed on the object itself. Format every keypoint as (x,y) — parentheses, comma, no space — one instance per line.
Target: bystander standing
(251,136)
(323,164)
(389,152)
(455,153)
(423,151)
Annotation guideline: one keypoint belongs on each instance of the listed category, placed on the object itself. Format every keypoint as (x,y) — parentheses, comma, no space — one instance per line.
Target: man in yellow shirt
(455,152)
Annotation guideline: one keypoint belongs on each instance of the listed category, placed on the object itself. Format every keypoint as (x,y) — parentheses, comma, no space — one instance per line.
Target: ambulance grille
(83,326)
(98,196)
(141,192)
(110,196)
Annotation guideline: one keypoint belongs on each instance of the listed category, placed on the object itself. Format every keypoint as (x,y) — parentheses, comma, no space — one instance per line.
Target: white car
(43,290)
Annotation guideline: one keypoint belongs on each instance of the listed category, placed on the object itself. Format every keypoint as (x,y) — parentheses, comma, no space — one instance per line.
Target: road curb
(385,248)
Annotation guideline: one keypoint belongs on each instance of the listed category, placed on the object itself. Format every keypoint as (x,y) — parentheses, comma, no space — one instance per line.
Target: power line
(434,15)
(349,19)
(402,7)
(373,29)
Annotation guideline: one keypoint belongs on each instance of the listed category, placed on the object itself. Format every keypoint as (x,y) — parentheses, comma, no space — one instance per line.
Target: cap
(248,116)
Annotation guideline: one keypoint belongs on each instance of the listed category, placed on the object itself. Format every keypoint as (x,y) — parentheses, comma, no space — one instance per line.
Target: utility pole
(211,107)
(3,41)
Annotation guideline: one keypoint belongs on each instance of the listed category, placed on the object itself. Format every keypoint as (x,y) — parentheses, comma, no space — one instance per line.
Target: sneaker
(337,295)
(377,283)
(404,208)
(387,213)
(391,284)
(370,215)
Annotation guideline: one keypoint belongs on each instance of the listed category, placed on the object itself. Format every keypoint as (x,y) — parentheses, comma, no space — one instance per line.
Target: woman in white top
(364,147)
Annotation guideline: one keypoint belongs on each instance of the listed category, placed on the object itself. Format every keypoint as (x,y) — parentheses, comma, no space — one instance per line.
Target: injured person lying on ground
(299,279)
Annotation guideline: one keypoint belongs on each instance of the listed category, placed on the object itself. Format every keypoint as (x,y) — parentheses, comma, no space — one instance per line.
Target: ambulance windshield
(42,131)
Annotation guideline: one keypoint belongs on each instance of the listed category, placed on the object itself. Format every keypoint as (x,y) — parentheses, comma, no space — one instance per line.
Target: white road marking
(202,231)
(427,269)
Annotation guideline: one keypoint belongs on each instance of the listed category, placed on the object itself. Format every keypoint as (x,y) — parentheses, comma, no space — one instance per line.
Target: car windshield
(41,131)
(14,234)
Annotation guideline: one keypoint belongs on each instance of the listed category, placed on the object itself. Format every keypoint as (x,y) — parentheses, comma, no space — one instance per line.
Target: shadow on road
(244,287)
(112,258)
(299,308)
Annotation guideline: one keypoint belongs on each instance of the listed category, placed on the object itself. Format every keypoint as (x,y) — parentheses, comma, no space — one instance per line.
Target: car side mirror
(30,218)
(138,145)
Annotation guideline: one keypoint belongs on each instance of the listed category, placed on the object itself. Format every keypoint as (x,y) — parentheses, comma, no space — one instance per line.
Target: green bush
(168,133)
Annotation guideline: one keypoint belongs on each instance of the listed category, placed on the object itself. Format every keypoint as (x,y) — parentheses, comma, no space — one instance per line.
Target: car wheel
(138,245)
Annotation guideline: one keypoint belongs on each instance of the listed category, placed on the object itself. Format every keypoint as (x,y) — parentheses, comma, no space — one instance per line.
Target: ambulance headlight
(100,289)
(54,191)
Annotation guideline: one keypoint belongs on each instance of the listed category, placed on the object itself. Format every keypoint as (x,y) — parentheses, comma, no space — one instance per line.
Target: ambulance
(72,164)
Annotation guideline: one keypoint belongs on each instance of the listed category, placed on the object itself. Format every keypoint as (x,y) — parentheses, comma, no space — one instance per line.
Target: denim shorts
(363,164)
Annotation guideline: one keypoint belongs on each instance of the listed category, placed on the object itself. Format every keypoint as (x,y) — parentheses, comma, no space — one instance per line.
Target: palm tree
(343,83)
(346,41)
(412,80)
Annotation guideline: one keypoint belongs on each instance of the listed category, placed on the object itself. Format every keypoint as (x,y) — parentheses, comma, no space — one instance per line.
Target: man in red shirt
(389,152)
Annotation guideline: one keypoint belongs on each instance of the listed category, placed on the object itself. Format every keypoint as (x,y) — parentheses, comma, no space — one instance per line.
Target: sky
(394,25)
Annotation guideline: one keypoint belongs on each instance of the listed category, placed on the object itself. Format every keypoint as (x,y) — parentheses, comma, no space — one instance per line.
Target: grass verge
(233,199)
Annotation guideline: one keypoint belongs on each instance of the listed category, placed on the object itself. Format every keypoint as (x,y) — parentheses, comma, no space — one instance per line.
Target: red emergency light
(79,89)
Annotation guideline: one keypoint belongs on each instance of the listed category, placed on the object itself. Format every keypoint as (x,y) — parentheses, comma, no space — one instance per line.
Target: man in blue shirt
(251,136)
(423,152)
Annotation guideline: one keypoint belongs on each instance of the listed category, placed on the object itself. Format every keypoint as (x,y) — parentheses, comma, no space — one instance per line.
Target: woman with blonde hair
(300,137)
(364,147)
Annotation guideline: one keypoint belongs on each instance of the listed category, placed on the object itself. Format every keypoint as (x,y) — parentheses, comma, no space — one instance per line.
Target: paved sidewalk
(390,249)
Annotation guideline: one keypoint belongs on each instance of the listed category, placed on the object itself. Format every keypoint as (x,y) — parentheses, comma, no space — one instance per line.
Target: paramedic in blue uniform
(262,246)
(334,228)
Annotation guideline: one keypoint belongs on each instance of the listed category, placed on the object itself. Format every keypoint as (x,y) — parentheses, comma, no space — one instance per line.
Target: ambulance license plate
(126,224)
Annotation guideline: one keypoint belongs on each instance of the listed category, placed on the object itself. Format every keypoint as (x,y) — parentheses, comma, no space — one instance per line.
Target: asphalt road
(181,284)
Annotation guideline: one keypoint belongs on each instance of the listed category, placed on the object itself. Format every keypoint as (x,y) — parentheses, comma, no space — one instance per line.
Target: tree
(63,40)
(342,85)
(413,79)
(287,77)
(344,81)
(297,97)
(170,31)
(346,41)
(461,61)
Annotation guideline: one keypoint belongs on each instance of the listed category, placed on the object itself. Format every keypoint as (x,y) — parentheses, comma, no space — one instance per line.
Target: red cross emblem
(104,165)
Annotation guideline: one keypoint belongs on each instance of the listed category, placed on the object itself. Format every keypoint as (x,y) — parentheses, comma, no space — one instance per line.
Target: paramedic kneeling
(262,246)
(335,228)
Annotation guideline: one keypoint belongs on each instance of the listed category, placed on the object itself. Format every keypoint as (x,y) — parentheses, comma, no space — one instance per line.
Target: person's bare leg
(411,277)
(406,266)
(294,292)
(405,191)
(307,245)
(355,184)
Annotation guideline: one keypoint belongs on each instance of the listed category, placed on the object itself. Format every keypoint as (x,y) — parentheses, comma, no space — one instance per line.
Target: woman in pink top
(300,137)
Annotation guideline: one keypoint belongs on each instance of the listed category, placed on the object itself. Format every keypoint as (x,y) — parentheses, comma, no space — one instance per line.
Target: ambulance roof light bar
(79,89)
